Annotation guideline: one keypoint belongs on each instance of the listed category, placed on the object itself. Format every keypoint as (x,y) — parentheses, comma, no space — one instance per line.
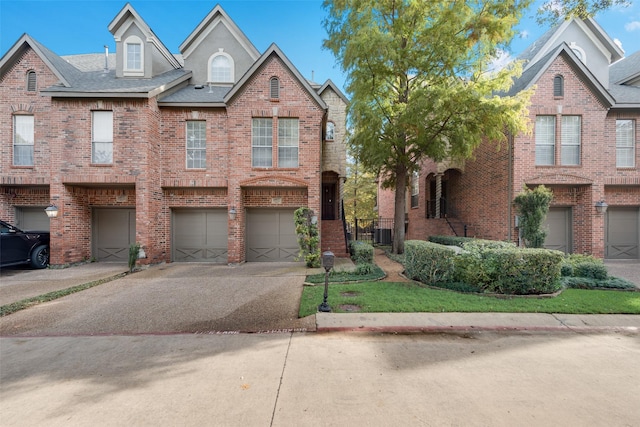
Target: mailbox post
(328,259)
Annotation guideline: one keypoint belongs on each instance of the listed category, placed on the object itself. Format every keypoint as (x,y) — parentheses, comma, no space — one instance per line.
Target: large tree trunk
(399,208)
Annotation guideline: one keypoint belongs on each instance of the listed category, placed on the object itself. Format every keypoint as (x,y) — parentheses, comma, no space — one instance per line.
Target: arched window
(31,81)
(133,56)
(221,68)
(579,52)
(558,85)
(274,88)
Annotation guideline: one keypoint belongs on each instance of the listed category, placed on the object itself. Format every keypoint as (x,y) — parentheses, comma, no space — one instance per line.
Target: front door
(329,201)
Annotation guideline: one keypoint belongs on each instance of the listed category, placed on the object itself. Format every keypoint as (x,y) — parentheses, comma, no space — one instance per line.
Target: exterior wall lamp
(601,206)
(51,211)
(233,213)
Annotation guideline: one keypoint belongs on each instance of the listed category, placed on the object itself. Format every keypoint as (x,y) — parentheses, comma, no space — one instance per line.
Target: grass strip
(390,297)
(8,309)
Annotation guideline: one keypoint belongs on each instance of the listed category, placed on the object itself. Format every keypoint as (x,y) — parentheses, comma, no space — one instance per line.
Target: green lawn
(388,297)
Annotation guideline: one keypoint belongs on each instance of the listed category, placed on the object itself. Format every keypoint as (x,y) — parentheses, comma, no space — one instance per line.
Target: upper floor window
(558,86)
(133,56)
(570,149)
(288,142)
(31,81)
(331,130)
(415,189)
(23,137)
(545,131)
(579,52)
(261,142)
(625,143)
(274,88)
(196,145)
(221,68)
(102,137)
(570,140)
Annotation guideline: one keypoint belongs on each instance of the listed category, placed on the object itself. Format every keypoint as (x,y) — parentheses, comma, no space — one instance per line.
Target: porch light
(601,206)
(233,213)
(51,211)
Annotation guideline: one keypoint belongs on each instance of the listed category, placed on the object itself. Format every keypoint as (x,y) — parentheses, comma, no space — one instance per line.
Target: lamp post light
(328,259)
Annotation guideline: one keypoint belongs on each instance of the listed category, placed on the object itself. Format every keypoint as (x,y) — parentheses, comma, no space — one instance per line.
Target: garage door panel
(114,231)
(271,235)
(622,233)
(200,235)
(32,218)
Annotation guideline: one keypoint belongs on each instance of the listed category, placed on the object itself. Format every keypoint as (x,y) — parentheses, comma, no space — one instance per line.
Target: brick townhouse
(584,116)
(198,156)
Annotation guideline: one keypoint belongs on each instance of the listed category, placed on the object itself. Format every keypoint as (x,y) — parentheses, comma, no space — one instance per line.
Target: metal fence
(374,231)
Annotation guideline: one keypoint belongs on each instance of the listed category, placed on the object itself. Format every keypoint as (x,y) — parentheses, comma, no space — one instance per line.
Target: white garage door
(558,226)
(622,233)
(114,231)
(271,235)
(199,235)
(32,218)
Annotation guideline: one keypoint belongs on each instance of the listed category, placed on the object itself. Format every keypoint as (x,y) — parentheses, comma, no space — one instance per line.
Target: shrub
(307,233)
(533,206)
(591,283)
(465,242)
(450,240)
(365,268)
(592,270)
(428,262)
(361,252)
(510,270)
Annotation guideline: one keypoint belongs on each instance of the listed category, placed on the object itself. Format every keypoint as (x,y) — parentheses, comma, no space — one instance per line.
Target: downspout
(510,190)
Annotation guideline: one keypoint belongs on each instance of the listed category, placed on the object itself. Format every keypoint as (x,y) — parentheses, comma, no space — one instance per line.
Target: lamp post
(327,262)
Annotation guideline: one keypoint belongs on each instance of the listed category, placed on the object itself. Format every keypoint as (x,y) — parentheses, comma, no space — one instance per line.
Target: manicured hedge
(463,242)
(428,262)
(361,252)
(510,270)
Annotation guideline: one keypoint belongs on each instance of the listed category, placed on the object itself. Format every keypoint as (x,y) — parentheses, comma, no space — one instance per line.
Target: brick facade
(149,171)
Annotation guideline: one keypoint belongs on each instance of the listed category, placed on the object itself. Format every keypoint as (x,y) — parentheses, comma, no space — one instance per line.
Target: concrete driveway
(171,298)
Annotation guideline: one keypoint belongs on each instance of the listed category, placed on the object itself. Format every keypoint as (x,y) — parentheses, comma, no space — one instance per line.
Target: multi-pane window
(261,142)
(221,69)
(102,137)
(134,56)
(415,189)
(545,140)
(625,144)
(196,145)
(23,136)
(288,143)
(570,149)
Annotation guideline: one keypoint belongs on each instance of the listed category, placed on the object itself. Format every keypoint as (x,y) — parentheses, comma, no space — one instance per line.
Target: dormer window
(221,68)
(134,56)
(31,81)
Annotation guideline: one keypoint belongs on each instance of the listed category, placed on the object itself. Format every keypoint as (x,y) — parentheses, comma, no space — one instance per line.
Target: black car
(23,247)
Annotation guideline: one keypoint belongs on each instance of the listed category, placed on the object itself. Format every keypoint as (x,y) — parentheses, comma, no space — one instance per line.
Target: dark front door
(328,201)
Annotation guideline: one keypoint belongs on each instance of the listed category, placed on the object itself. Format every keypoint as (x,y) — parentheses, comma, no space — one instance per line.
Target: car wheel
(40,257)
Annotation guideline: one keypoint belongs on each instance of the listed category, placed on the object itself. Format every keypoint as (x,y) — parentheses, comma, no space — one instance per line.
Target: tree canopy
(417,73)
(555,10)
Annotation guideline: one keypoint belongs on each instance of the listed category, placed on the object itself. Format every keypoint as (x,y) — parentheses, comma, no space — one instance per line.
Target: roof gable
(127,18)
(274,51)
(216,17)
(64,71)
(331,86)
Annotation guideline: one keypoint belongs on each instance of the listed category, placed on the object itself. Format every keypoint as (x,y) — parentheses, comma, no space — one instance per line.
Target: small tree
(308,240)
(533,206)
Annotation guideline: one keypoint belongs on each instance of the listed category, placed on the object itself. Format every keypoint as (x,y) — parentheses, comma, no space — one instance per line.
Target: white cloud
(632,26)
(524,34)
(500,61)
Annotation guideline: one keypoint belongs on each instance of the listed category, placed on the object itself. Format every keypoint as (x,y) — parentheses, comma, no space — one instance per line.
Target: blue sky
(73,27)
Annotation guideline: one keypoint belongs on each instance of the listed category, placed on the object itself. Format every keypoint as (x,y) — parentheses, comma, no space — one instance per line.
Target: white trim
(130,41)
(232,67)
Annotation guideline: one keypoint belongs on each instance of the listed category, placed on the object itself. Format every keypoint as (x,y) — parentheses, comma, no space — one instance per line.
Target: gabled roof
(330,85)
(549,40)
(64,71)
(532,74)
(626,71)
(217,16)
(127,17)
(274,51)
